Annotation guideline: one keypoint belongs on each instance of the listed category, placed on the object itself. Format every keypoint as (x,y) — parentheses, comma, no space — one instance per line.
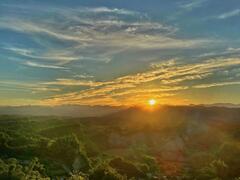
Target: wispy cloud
(31,27)
(93,33)
(108,10)
(84,42)
(37,65)
(51,55)
(73,82)
(216,84)
(230,14)
(193,4)
(83,76)
(169,77)
(140,36)
(231,52)
(27,87)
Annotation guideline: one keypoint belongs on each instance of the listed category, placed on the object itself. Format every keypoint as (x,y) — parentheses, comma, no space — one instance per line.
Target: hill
(173,142)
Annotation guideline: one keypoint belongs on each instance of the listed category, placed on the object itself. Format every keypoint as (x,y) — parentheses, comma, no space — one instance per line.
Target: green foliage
(77,176)
(72,150)
(126,168)
(4,139)
(13,169)
(230,153)
(105,172)
(215,170)
(69,152)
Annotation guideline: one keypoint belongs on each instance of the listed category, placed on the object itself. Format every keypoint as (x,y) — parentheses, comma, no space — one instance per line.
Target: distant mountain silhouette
(198,112)
(229,105)
(194,112)
(65,110)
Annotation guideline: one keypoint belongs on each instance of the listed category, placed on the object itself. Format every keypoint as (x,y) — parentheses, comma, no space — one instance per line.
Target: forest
(181,143)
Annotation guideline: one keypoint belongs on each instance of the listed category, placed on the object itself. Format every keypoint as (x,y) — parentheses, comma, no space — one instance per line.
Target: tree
(105,172)
(70,153)
(14,170)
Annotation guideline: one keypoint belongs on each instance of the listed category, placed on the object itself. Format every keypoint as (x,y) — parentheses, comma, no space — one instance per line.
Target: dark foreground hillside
(190,142)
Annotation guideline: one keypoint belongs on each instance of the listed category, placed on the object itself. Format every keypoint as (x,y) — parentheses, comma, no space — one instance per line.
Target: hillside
(181,142)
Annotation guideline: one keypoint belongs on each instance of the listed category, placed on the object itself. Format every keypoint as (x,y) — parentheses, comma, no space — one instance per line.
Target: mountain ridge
(98,111)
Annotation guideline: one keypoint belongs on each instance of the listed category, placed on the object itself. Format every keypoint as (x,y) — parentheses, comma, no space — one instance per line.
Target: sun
(151,102)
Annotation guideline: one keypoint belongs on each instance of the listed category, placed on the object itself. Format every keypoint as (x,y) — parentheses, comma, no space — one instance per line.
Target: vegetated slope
(180,141)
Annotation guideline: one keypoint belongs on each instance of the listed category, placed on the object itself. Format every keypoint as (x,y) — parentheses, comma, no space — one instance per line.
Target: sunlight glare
(152,102)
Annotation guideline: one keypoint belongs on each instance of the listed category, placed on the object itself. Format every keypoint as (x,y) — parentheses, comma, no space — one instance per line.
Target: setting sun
(152,102)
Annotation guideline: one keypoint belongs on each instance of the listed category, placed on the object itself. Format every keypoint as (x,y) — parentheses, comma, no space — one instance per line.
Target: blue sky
(116,52)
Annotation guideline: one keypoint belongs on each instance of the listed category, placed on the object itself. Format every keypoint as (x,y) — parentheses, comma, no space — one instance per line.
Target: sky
(119,52)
